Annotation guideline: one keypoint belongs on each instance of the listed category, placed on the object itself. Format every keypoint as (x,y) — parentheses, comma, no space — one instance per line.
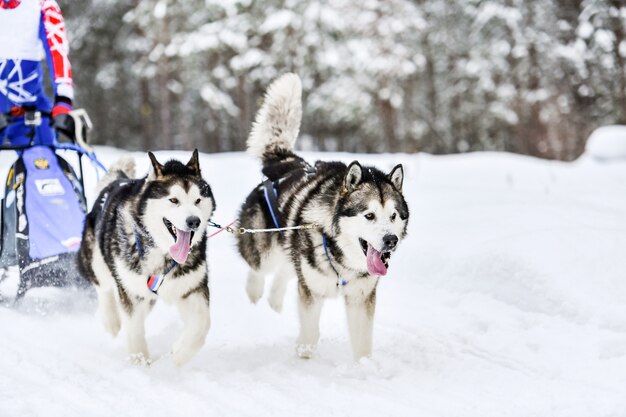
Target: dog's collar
(155,281)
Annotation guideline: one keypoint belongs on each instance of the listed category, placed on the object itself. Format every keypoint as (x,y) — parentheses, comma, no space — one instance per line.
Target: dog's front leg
(360,313)
(108,311)
(309,309)
(255,285)
(194,310)
(279,287)
(134,317)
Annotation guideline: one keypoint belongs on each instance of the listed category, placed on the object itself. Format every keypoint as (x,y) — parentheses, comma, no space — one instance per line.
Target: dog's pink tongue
(180,249)
(375,265)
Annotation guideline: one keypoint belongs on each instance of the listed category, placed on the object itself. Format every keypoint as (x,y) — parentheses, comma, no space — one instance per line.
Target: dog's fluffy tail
(122,168)
(277,123)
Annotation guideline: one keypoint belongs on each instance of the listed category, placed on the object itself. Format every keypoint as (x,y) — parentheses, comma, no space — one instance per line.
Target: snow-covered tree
(441,76)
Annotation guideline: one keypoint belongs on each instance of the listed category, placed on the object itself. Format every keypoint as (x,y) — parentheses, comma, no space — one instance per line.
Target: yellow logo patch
(41,163)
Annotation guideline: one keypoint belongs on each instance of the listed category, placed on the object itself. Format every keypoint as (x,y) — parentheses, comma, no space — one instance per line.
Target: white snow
(218,99)
(278,20)
(605,39)
(607,143)
(508,298)
(160,9)
(585,29)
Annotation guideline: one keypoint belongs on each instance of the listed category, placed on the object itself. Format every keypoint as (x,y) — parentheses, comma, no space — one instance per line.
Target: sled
(43,209)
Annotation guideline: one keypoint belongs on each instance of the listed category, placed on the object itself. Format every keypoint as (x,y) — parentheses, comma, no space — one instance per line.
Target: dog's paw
(180,359)
(254,288)
(181,355)
(276,303)
(139,359)
(305,351)
(183,350)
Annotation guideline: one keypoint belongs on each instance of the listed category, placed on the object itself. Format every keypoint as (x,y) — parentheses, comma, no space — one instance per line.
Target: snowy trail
(508,298)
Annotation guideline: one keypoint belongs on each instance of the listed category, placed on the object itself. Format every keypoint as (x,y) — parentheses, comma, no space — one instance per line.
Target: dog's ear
(157,168)
(194,163)
(396,176)
(353,177)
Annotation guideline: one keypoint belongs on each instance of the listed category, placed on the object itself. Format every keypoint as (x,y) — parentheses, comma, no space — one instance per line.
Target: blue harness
(271,198)
(340,280)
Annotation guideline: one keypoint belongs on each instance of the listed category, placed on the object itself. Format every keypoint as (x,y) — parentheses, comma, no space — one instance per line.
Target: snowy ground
(508,298)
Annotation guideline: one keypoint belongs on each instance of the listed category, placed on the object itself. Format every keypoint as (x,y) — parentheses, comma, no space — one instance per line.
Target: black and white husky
(360,214)
(146,239)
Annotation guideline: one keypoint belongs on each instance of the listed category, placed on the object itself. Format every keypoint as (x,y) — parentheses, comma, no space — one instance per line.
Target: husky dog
(359,212)
(146,232)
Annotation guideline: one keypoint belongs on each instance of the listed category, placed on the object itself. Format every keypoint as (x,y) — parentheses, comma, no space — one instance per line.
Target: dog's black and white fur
(360,210)
(135,229)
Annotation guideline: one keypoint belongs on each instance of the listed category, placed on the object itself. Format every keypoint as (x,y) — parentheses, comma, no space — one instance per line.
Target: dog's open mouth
(182,242)
(377,262)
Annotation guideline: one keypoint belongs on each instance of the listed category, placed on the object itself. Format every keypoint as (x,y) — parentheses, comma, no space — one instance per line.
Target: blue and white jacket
(32,30)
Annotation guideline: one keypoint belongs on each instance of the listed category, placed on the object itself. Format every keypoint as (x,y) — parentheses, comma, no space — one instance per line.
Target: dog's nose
(193,222)
(390,241)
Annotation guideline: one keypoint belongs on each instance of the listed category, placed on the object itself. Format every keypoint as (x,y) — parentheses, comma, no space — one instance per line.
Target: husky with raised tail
(145,239)
(359,213)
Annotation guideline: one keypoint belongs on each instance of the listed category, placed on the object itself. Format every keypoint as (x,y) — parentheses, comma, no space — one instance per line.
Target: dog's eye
(393,216)
(198,201)
(174,200)
(370,216)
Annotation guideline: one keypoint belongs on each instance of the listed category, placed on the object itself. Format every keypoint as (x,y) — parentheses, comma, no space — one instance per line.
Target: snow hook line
(242,230)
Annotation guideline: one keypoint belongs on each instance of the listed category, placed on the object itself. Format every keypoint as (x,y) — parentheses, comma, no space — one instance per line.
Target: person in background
(32,29)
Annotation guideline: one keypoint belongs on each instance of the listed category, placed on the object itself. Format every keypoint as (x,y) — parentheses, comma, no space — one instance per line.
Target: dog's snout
(390,241)
(193,222)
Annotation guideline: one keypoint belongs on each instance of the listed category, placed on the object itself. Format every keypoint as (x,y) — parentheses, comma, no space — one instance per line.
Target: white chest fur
(326,284)
(172,288)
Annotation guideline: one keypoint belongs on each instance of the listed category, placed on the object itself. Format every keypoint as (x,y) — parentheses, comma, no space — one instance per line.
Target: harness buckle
(310,170)
(236,230)
(32,118)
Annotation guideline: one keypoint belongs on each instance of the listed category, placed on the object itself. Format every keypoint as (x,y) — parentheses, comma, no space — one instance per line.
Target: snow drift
(607,143)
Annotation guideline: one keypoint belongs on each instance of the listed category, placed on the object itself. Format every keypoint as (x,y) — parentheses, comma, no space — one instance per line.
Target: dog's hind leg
(279,287)
(360,315)
(194,310)
(255,285)
(309,309)
(99,274)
